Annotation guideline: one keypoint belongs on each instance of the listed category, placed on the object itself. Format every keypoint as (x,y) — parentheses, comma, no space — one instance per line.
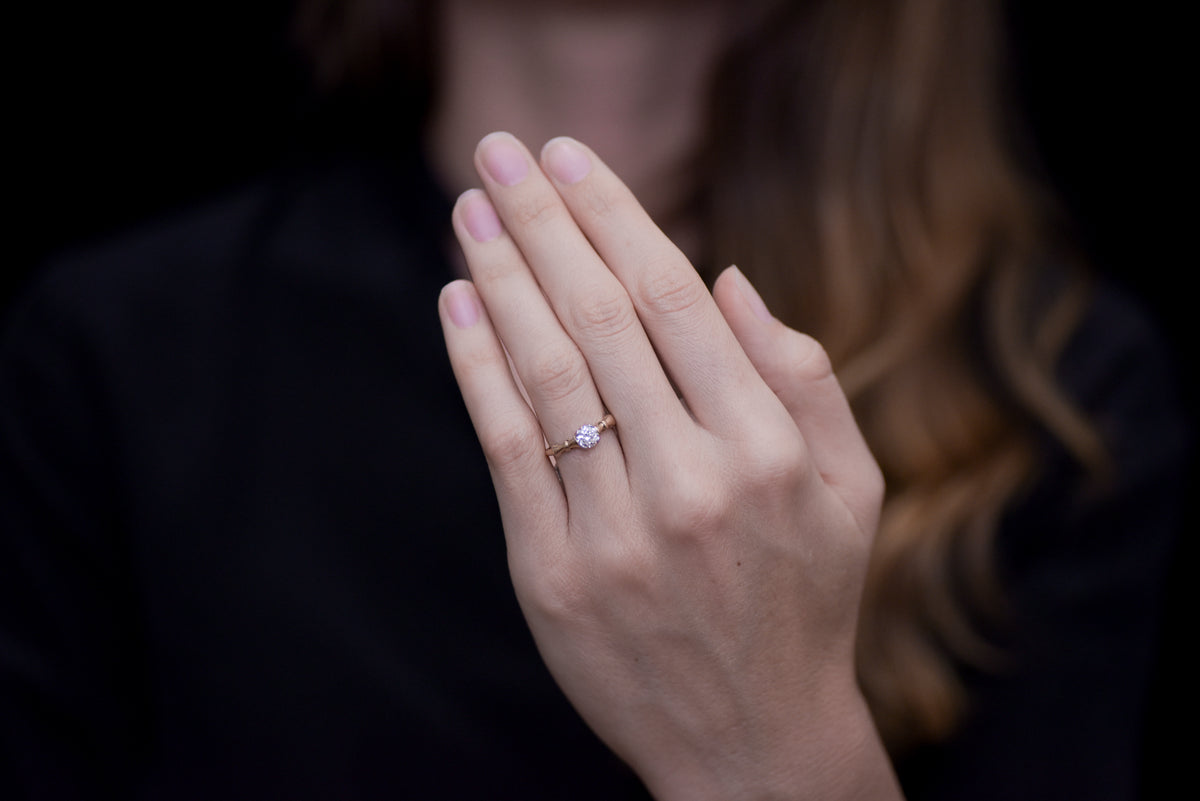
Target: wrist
(833,753)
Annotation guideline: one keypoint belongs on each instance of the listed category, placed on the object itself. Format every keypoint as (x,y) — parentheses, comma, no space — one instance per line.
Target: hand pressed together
(693,579)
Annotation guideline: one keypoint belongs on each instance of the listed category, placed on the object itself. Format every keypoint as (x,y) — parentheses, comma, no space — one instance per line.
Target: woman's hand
(693,580)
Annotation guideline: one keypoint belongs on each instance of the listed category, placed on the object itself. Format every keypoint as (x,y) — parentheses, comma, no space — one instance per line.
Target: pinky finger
(527,487)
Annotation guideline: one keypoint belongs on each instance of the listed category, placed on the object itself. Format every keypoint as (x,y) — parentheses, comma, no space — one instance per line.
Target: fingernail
(565,160)
(479,216)
(503,159)
(461,306)
(752,297)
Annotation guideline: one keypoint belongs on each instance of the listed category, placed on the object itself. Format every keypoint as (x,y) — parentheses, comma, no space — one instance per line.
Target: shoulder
(1122,373)
(1084,558)
(181,317)
(146,263)
(1085,536)
(334,223)
(1116,339)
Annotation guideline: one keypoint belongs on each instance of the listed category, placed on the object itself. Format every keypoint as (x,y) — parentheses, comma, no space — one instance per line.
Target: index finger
(689,333)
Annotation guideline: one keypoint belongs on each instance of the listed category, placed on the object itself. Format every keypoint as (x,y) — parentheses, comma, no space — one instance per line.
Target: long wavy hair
(859,167)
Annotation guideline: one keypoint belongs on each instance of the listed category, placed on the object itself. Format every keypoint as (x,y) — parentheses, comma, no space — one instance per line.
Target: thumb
(798,371)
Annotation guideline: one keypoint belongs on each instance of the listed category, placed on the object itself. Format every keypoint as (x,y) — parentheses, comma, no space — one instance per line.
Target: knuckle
(596,203)
(617,560)
(506,446)
(780,464)
(692,508)
(604,316)
(569,590)
(497,272)
(557,591)
(557,373)
(536,211)
(555,600)
(667,290)
(629,573)
(476,360)
(808,359)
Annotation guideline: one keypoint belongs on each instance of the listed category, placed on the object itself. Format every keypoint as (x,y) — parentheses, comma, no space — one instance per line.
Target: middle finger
(551,372)
(592,305)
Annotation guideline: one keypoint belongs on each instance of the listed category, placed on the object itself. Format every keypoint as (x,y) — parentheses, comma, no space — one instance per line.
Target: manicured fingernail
(565,160)
(461,305)
(752,297)
(503,159)
(479,216)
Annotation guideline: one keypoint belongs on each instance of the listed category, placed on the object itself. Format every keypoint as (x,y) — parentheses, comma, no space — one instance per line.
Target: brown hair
(857,170)
(869,191)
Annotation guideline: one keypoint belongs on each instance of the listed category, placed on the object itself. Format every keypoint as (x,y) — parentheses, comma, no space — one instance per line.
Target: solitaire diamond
(587,436)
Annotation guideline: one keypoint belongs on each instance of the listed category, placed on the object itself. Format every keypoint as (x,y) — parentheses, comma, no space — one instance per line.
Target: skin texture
(692,581)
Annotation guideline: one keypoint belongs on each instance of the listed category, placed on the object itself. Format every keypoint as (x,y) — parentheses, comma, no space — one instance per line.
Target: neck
(629,80)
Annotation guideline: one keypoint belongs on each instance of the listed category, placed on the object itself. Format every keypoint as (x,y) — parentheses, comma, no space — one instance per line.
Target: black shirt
(249,547)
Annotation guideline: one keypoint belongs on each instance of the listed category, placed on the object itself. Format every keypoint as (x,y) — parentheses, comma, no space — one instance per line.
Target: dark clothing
(249,547)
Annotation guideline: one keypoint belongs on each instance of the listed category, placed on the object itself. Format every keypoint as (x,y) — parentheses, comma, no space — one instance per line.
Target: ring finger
(549,367)
(592,305)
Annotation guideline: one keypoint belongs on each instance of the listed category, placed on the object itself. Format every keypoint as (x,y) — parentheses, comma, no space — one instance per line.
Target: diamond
(587,436)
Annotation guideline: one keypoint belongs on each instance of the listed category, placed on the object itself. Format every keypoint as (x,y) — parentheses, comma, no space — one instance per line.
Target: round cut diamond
(587,436)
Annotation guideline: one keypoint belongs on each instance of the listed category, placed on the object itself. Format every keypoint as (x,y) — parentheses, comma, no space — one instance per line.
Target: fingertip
(742,307)
(566,160)
(498,135)
(478,216)
(501,157)
(750,295)
(460,303)
(723,288)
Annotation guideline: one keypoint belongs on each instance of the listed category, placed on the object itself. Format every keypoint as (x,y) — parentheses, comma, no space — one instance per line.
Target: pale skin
(692,581)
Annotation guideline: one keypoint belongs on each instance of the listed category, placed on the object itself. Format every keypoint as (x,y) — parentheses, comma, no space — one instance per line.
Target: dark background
(123,112)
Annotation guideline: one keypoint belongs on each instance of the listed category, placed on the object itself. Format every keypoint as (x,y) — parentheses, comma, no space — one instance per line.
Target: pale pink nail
(566,161)
(461,305)
(752,297)
(503,159)
(479,216)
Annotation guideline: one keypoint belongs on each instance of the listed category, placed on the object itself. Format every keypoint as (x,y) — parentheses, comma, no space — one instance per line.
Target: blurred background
(125,111)
(122,112)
